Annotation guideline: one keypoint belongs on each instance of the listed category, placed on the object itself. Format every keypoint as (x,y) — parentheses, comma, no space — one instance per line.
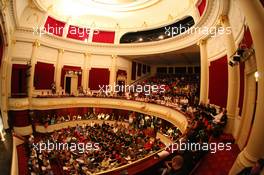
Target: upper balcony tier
(173,116)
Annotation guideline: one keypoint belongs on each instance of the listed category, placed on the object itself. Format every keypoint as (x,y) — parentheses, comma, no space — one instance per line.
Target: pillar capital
(87,54)
(202,42)
(114,56)
(223,19)
(36,43)
(13,41)
(61,51)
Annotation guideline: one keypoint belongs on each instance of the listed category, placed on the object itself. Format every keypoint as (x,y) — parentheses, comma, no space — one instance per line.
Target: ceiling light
(256,76)
(140,39)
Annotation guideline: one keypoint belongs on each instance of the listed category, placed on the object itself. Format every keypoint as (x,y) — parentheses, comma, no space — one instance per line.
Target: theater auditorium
(131,87)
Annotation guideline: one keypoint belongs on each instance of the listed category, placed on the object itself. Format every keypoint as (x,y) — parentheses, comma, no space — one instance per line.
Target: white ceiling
(121,14)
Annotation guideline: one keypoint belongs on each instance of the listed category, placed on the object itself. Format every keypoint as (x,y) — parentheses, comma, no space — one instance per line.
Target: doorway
(71,84)
(68,85)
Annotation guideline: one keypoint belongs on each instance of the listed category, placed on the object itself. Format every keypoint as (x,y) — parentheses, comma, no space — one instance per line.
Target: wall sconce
(256,76)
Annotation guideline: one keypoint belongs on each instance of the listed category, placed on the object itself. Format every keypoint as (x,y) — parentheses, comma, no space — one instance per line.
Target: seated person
(218,117)
(175,166)
(74,117)
(255,170)
(79,117)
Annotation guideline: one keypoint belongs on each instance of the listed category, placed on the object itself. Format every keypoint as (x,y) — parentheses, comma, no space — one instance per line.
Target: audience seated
(118,148)
(206,121)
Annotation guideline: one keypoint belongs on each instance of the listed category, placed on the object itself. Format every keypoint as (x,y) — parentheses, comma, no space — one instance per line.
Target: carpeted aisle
(22,160)
(218,163)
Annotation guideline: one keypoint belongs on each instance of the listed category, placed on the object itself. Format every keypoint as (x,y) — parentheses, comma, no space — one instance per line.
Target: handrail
(172,115)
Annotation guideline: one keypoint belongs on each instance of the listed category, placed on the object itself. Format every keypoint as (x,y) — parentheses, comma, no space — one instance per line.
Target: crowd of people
(181,93)
(117,145)
(135,120)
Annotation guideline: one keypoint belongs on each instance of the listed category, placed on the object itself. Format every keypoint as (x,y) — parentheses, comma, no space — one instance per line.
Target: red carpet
(22,160)
(218,163)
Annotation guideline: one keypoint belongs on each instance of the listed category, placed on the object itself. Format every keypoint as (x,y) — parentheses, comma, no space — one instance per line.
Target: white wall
(47,55)
(22,50)
(73,59)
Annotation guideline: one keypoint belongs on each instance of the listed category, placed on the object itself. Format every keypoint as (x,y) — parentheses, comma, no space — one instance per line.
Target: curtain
(104,37)
(98,77)
(78,33)
(44,75)
(54,26)
(19,118)
(218,82)
(241,92)
(19,80)
(201,7)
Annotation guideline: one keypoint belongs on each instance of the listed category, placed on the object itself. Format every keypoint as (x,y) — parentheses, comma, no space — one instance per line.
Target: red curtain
(44,75)
(19,118)
(70,68)
(54,26)
(247,39)
(122,113)
(104,37)
(241,92)
(19,80)
(98,77)
(218,82)
(201,7)
(63,112)
(103,110)
(78,33)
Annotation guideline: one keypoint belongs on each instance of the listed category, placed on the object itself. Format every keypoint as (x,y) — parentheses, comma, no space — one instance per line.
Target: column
(31,88)
(233,76)
(113,71)
(58,70)
(4,84)
(204,71)
(254,13)
(85,72)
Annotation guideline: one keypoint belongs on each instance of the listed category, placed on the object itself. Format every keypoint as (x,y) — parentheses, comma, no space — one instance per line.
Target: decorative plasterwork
(209,19)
